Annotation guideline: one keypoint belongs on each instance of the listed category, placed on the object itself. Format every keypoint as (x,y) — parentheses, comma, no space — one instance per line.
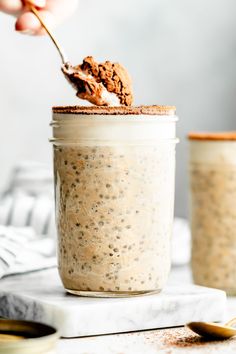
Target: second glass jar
(213,209)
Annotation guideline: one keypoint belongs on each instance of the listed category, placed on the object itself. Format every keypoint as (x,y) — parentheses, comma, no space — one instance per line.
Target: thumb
(28,23)
(37,3)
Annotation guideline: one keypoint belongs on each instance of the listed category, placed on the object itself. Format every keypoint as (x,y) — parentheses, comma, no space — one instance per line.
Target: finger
(11,7)
(37,3)
(14,7)
(28,23)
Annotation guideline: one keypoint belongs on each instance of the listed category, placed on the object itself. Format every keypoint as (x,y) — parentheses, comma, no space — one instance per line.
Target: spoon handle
(231,322)
(37,14)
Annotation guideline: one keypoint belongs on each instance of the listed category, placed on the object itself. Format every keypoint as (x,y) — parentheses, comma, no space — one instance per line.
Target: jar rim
(159,110)
(212,136)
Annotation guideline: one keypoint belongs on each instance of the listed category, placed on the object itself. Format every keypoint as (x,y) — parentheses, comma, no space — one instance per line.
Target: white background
(180,52)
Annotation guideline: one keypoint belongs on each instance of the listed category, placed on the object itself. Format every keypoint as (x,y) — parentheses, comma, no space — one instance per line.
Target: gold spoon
(36,13)
(213,330)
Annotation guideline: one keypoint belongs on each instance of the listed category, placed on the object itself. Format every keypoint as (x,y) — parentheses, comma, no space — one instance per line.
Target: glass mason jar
(213,209)
(114,184)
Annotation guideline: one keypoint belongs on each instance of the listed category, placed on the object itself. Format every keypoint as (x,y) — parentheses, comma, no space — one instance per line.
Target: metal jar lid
(25,337)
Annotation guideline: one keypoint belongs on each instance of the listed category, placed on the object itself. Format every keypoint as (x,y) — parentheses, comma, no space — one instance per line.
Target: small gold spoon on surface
(36,13)
(213,330)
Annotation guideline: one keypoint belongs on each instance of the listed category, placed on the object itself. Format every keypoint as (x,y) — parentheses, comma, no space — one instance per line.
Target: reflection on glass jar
(213,209)
(114,184)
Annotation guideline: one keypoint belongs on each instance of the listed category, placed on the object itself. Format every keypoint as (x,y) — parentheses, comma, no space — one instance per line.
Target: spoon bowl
(213,330)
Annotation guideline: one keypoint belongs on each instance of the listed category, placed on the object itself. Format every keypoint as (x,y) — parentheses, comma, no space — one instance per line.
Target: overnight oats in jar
(114,171)
(213,209)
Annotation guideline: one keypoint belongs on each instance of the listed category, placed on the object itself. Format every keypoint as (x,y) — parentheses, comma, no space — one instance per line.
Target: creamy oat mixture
(114,213)
(213,214)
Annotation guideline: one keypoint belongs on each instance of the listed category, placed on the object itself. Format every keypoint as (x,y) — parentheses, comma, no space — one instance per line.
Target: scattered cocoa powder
(179,337)
(184,338)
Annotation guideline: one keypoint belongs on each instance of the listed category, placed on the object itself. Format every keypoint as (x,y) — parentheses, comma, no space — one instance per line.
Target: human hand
(52,11)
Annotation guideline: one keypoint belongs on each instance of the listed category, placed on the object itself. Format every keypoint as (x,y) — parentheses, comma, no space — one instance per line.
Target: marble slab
(39,296)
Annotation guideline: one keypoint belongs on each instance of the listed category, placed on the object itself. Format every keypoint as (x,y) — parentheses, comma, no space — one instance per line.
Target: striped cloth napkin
(27,226)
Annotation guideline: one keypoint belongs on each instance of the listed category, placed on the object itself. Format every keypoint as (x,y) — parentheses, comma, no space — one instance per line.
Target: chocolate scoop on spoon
(213,330)
(105,84)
